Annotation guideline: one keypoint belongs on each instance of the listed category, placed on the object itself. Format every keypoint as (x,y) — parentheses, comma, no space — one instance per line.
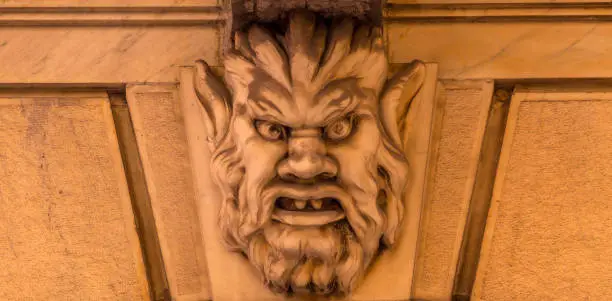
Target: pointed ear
(215,99)
(397,95)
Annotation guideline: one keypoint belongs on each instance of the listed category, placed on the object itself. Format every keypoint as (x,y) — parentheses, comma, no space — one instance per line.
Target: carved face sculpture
(307,150)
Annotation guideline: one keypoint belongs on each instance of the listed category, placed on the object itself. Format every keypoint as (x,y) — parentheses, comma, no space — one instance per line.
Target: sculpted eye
(270,130)
(340,129)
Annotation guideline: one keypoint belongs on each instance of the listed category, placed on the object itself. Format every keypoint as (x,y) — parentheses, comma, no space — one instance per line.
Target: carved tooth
(316,204)
(300,204)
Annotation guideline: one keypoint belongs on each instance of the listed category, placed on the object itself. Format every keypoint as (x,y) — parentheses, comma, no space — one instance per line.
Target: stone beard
(307,150)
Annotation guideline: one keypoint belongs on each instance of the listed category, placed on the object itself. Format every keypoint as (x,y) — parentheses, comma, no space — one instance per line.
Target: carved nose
(307,158)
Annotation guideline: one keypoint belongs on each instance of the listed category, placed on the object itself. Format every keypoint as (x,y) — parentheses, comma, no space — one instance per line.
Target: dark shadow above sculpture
(306,144)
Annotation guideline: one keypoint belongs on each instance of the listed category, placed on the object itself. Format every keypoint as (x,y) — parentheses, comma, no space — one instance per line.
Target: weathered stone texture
(159,127)
(504,50)
(549,237)
(109,55)
(461,114)
(66,225)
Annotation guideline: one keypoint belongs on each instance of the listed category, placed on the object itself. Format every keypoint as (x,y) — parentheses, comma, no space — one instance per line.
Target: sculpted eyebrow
(337,101)
(264,104)
(336,98)
(267,99)
(344,86)
(331,115)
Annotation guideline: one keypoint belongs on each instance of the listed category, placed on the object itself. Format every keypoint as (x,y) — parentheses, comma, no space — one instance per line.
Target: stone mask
(306,150)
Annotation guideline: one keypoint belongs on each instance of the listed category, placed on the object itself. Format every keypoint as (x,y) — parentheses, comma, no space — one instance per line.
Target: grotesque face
(307,151)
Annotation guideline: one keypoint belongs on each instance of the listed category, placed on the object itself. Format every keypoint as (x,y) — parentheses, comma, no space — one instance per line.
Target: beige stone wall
(461,112)
(101,55)
(81,43)
(160,133)
(67,228)
(74,228)
(71,226)
(545,231)
(548,229)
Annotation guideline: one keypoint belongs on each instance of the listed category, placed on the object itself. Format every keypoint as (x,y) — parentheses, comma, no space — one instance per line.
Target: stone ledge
(108,3)
(483,12)
(109,16)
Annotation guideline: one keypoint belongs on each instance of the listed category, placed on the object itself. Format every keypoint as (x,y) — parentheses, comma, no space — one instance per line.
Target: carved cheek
(366,136)
(358,153)
(263,156)
(260,156)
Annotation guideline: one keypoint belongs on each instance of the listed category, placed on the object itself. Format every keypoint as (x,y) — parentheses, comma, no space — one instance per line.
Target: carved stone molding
(307,136)
(109,16)
(495,12)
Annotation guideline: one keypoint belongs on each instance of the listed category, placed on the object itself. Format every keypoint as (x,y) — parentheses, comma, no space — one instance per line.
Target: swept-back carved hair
(308,55)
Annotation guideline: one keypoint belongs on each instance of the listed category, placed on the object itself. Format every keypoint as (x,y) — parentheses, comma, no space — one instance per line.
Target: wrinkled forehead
(307,105)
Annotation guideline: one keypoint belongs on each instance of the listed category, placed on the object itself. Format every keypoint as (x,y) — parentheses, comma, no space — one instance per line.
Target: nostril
(290,177)
(307,167)
(327,176)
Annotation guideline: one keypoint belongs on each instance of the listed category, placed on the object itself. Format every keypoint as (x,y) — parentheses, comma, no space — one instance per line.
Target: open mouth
(307,212)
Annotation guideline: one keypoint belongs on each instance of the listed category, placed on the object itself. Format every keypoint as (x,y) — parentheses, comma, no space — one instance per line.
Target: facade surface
(107,190)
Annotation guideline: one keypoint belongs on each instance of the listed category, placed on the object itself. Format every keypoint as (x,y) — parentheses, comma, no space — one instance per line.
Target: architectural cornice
(146,13)
(479,12)
(110,16)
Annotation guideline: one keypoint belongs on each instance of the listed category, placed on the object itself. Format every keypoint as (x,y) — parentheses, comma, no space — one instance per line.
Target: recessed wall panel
(66,225)
(160,133)
(460,117)
(548,231)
